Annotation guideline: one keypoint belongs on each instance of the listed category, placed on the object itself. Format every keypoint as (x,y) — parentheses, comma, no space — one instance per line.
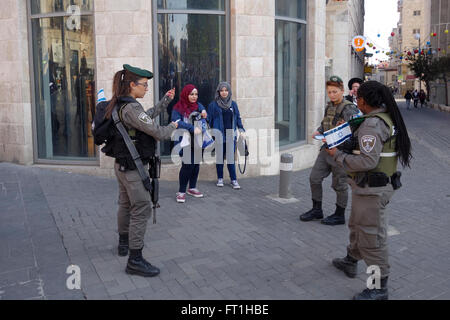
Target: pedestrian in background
(181,114)
(422,97)
(337,111)
(382,141)
(224,116)
(415,96)
(408,97)
(353,86)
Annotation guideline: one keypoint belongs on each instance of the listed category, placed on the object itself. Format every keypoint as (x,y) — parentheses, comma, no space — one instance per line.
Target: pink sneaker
(181,197)
(195,193)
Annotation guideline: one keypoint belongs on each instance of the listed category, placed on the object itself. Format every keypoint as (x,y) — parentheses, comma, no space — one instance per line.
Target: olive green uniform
(325,164)
(134,199)
(368,222)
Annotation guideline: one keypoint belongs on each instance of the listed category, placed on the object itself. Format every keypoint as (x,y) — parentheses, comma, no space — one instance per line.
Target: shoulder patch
(145,118)
(368,142)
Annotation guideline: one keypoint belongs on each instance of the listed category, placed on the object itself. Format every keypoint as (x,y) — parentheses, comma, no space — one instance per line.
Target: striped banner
(101,96)
(338,135)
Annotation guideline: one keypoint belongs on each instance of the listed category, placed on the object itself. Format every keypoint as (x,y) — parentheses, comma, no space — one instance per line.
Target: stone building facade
(413,32)
(345,20)
(56,54)
(440,24)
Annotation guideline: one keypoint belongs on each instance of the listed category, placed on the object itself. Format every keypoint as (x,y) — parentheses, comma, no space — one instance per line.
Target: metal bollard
(286,166)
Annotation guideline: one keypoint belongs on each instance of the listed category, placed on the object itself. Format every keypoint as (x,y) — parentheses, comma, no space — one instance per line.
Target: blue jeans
(188,174)
(231,166)
(408,104)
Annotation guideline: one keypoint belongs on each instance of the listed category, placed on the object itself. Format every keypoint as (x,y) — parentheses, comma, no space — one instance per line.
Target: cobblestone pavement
(229,245)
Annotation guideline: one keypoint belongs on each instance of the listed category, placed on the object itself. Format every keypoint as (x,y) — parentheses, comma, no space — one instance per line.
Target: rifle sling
(132,149)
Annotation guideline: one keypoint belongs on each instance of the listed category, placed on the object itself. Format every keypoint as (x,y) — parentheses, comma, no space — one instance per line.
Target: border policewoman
(380,141)
(337,112)
(134,200)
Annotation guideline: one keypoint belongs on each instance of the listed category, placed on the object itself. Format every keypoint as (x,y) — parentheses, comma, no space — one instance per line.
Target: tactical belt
(132,149)
(380,179)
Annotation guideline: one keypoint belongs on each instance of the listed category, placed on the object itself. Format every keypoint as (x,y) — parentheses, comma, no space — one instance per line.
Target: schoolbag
(102,128)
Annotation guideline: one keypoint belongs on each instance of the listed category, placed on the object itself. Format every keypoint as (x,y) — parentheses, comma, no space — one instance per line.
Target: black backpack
(102,128)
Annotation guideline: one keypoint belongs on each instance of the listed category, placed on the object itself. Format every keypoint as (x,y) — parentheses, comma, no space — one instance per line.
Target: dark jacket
(408,96)
(215,118)
(184,125)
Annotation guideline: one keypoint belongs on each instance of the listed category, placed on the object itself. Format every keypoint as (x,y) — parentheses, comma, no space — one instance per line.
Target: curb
(440,107)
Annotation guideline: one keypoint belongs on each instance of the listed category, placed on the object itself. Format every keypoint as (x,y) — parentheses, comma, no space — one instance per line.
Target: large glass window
(192,49)
(291,9)
(290,76)
(50,6)
(64,88)
(192,4)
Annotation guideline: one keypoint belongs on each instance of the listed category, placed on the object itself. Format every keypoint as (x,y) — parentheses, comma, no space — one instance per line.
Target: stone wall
(16,144)
(123,33)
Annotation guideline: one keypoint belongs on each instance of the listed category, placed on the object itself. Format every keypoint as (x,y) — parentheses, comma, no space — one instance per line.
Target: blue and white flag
(338,135)
(101,96)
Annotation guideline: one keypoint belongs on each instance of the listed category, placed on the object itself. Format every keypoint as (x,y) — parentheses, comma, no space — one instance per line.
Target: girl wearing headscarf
(187,104)
(223,115)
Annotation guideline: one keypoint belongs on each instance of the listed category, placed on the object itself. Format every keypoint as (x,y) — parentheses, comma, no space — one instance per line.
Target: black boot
(139,266)
(123,245)
(335,219)
(374,294)
(348,265)
(315,213)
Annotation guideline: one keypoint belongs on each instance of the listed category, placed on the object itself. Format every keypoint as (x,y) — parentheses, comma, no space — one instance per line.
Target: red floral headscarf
(184,106)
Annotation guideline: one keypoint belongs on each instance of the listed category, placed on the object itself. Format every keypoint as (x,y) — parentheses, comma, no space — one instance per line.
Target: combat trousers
(325,165)
(368,226)
(134,207)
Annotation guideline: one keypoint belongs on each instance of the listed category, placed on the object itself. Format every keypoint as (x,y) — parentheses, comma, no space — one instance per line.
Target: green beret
(336,79)
(139,72)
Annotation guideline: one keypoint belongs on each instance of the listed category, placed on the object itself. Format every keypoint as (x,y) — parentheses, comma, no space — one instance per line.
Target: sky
(381,17)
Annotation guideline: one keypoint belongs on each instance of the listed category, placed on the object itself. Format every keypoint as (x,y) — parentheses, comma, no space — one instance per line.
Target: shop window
(64,88)
(290,75)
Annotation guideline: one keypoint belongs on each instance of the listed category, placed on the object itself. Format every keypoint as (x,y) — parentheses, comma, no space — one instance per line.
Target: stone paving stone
(229,245)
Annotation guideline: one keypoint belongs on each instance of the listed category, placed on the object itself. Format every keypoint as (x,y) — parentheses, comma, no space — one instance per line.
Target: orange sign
(358,43)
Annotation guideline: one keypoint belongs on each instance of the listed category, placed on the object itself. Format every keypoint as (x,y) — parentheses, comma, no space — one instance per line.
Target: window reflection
(192,49)
(49,6)
(192,4)
(291,8)
(290,86)
(64,87)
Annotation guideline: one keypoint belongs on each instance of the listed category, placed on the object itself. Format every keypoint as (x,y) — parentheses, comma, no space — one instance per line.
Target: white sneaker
(220,183)
(235,185)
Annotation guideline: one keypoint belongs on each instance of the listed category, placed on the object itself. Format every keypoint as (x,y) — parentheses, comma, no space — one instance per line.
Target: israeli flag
(101,96)
(338,135)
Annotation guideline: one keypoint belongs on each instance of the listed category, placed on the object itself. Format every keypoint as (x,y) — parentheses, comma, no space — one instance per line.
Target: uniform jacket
(134,116)
(372,134)
(347,113)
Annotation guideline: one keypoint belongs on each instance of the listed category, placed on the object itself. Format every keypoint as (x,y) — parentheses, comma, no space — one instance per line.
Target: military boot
(348,265)
(335,219)
(374,294)
(139,266)
(123,245)
(315,213)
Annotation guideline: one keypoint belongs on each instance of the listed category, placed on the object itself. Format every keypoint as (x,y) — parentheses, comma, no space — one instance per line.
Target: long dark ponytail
(121,87)
(376,95)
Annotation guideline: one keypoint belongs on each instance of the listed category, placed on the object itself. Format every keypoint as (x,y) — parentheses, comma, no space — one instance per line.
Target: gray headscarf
(224,103)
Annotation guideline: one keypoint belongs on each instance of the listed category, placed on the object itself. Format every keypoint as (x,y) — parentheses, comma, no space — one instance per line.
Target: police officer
(130,84)
(381,140)
(337,111)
